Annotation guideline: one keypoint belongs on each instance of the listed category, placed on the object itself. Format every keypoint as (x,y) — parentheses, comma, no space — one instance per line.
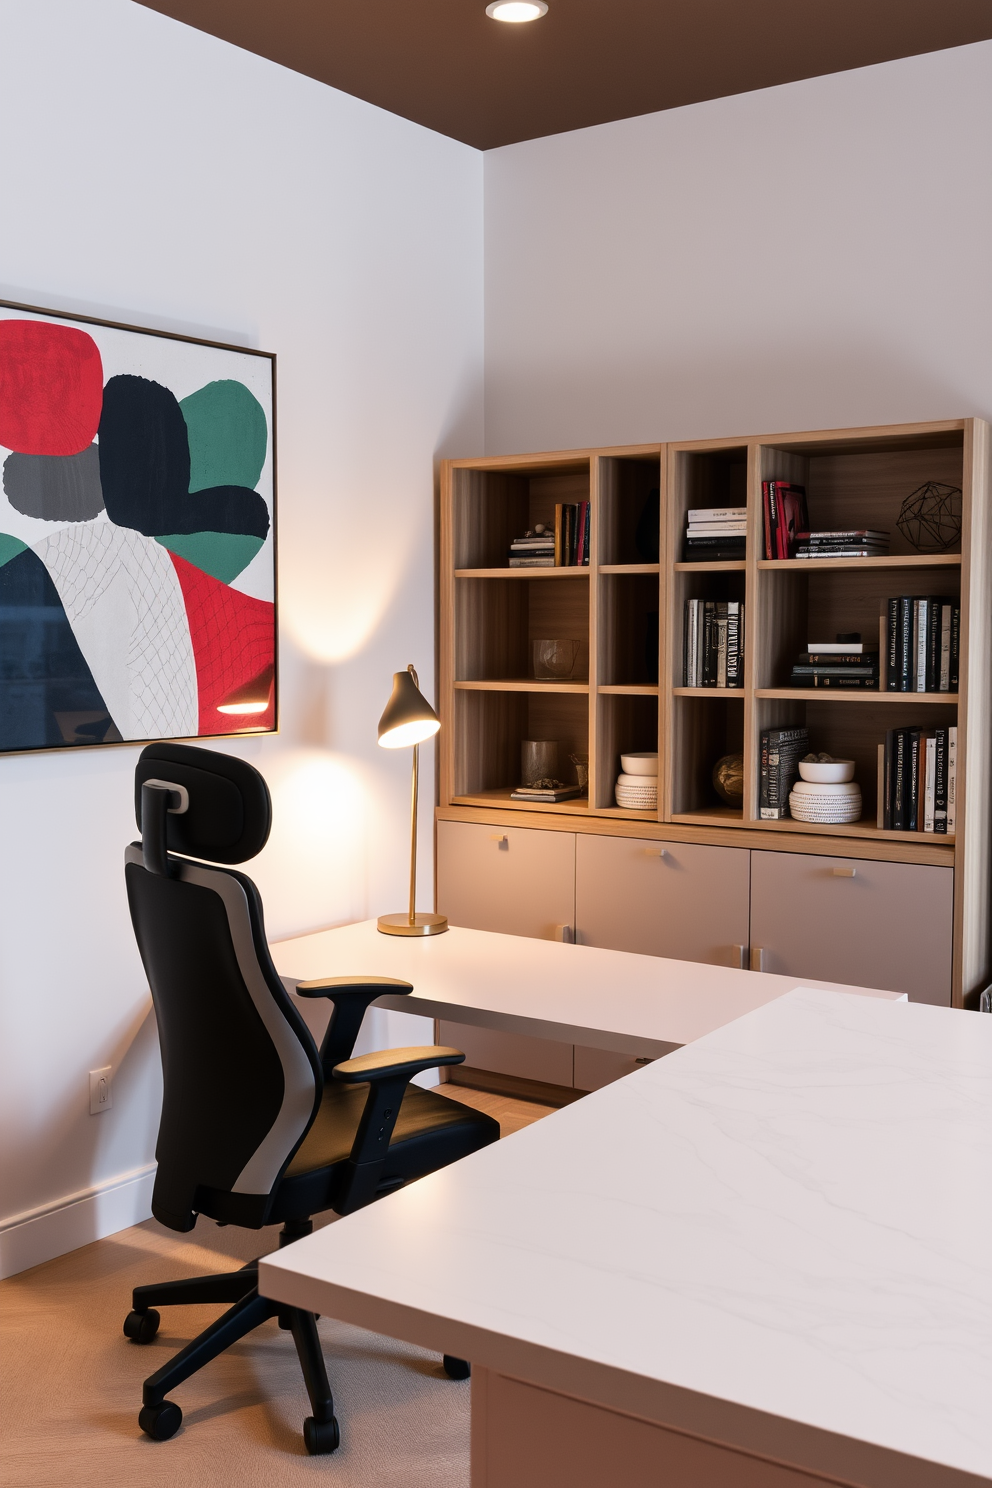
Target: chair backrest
(242,1075)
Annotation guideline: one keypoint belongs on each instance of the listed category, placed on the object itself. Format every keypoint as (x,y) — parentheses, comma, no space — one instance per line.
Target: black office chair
(257,1127)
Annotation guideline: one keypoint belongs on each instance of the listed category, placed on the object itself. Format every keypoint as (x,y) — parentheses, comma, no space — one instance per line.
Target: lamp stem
(413,836)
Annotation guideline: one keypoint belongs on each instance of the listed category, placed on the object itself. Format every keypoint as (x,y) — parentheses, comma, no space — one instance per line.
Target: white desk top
(643,1005)
(777,1237)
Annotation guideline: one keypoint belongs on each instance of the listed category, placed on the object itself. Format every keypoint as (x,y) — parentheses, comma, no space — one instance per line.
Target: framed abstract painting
(137,534)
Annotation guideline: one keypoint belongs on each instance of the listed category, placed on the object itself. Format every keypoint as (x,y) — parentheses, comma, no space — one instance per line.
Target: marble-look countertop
(776,1237)
(640,1005)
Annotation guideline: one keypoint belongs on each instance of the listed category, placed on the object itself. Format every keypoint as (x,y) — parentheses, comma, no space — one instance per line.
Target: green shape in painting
(228,436)
(223,555)
(9,547)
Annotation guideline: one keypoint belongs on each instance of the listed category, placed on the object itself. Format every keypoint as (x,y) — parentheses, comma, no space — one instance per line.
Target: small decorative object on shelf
(536,549)
(923,637)
(917,780)
(548,789)
(554,661)
(713,643)
(728,779)
(827,791)
(581,763)
(844,663)
(852,542)
(781,751)
(785,517)
(930,518)
(637,784)
(716,534)
(538,759)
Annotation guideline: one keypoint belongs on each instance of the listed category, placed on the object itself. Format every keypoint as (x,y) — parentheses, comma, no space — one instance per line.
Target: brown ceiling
(445,64)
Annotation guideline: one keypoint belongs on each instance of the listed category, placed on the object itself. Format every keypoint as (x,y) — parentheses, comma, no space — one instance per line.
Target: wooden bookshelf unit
(626,613)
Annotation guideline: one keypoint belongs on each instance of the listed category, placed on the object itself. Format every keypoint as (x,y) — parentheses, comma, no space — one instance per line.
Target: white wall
(809,256)
(154,175)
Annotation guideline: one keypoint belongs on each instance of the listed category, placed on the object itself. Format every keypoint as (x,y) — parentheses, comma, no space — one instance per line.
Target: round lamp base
(423,924)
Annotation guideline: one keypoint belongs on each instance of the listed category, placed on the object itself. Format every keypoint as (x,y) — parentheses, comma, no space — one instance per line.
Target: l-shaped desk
(756,1263)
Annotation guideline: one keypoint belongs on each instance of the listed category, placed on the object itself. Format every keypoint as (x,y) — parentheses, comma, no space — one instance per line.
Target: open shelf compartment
(629,507)
(492,507)
(624,724)
(490,727)
(497,622)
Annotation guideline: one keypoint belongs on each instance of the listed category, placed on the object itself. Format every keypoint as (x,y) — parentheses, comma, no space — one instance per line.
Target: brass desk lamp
(408,718)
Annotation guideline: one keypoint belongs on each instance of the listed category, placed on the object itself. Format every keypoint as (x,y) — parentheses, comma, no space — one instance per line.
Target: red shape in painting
(51,388)
(233,639)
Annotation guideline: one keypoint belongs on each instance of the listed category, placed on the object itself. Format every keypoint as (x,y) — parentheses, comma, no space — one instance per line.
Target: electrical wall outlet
(101,1090)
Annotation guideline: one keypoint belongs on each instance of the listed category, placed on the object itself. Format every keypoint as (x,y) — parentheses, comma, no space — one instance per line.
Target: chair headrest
(229,812)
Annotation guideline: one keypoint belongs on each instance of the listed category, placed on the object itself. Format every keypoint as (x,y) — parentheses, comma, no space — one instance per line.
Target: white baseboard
(65,1224)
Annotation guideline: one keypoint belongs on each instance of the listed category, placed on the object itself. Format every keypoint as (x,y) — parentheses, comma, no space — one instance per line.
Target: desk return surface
(632,1004)
(774,1240)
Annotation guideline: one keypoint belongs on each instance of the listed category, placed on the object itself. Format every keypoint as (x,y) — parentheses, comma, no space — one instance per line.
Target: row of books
(715,534)
(837,664)
(923,643)
(788,533)
(780,750)
(917,780)
(566,545)
(713,643)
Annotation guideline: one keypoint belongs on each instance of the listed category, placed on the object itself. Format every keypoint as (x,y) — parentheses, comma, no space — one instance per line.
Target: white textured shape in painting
(124,602)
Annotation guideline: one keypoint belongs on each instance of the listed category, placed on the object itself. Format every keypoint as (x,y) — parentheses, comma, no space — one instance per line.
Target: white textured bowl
(830,810)
(639,782)
(826,788)
(644,763)
(832,774)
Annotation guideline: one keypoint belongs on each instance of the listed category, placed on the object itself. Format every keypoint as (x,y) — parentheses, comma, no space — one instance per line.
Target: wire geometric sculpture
(930,518)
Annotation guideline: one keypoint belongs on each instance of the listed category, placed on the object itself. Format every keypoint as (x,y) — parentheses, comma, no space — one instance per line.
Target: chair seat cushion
(431,1131)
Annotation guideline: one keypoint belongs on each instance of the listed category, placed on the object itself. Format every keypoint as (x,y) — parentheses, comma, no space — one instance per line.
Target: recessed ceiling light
(517,11)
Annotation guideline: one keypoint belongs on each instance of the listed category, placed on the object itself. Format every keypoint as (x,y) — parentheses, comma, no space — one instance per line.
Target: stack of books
(785,516)
(917,780)
(566,545)
(534,550)
(716,534)
(548,791)
(781,749)
(713,643)
(841,663)
(855,542)
(923,635)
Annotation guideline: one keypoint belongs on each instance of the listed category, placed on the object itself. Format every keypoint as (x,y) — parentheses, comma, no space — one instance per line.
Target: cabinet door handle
(502,843)
(565,934)
(656,852)
(757,958)
(741,956)
(845,872)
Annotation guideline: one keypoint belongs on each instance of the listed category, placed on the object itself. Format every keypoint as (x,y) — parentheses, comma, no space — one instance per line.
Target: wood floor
(70,1384)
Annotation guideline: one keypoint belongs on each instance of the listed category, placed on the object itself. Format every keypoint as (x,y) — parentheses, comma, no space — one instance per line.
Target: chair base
(160,1418)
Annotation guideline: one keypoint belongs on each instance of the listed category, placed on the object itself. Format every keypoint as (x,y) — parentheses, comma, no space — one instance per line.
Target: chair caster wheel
(320,1437)
(456,1368)
(160,1421)
(141,1327)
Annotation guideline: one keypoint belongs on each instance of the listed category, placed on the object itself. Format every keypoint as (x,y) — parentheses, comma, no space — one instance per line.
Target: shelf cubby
(490,507)
(628,610)
(491,725)
(625,723)
(498,620)
(629,509)
(703,730)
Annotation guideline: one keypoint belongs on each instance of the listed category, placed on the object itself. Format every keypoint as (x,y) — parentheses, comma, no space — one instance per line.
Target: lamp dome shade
(408,717)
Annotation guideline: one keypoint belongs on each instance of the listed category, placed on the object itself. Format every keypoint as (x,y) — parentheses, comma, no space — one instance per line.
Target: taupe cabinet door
(662,898)
(510,879)
(847,920)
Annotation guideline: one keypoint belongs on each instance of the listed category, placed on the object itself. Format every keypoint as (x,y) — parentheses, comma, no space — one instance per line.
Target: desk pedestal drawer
(510,879)
(675,899)
(850,920)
